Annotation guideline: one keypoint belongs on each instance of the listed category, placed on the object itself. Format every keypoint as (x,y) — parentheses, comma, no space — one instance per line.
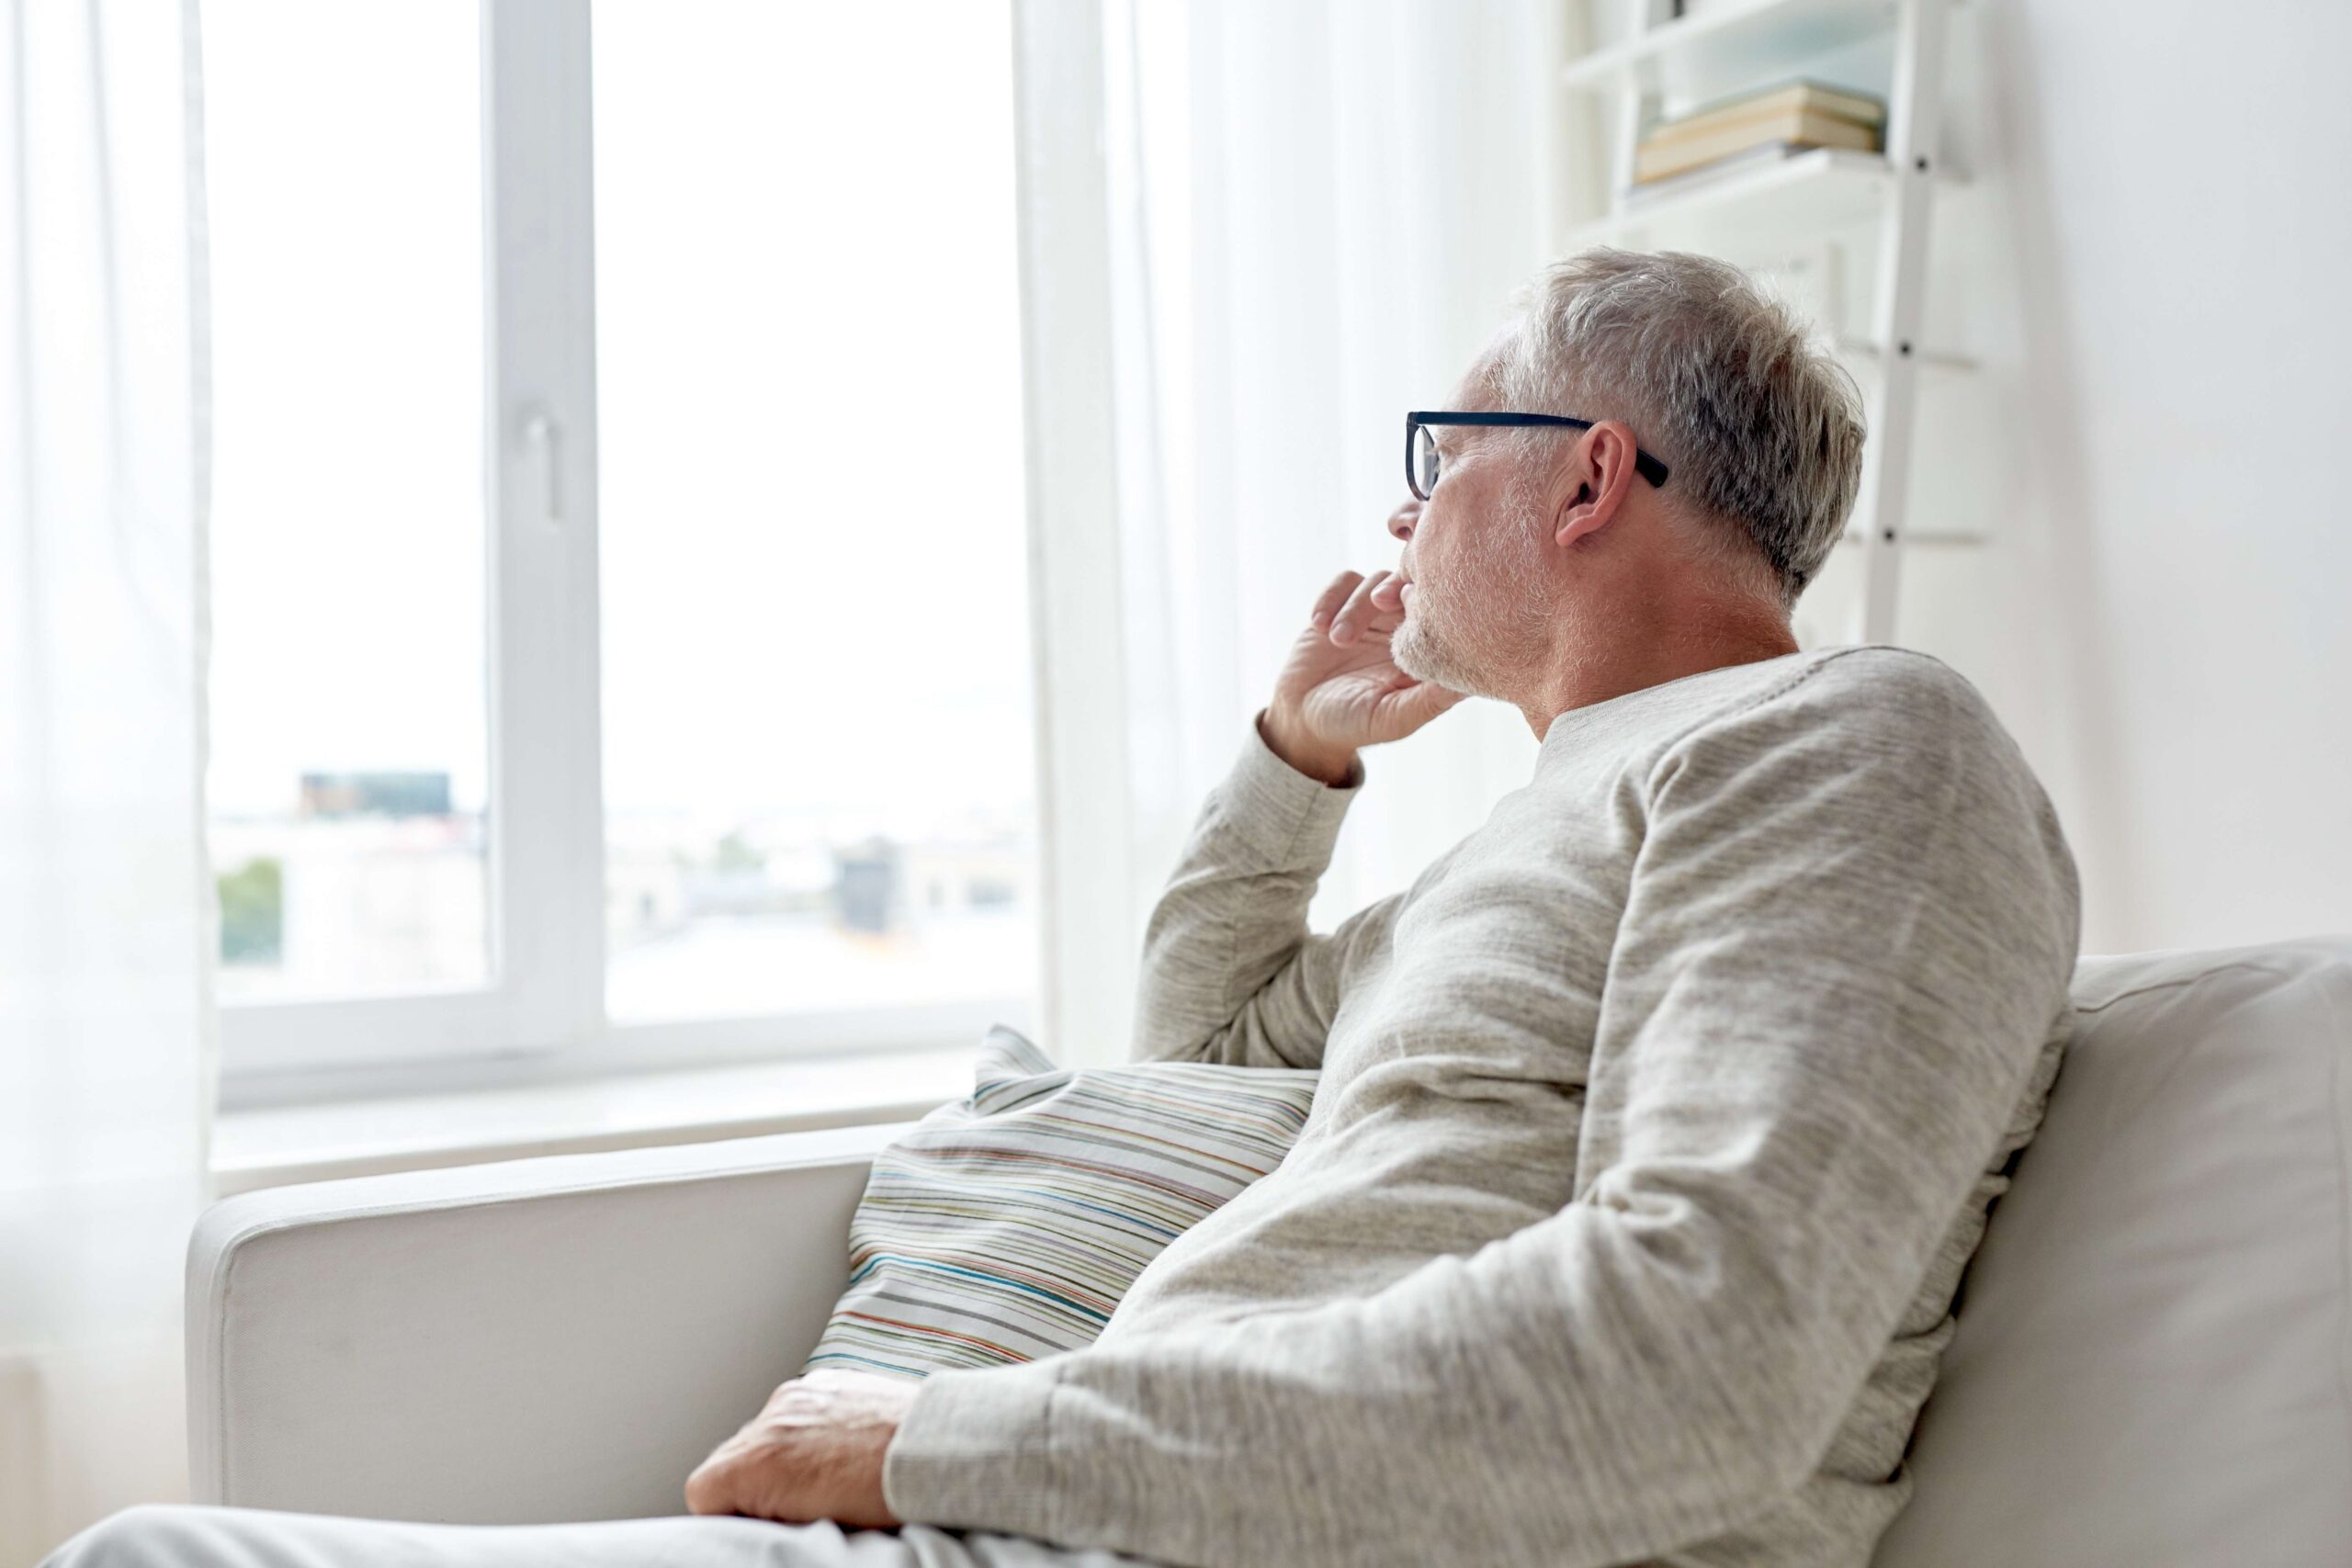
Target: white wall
(2153,265)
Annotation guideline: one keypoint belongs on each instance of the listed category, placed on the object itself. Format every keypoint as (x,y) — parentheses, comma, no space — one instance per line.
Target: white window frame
(542,1013)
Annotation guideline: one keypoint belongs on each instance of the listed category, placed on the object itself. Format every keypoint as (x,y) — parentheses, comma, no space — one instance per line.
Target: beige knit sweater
(1657,1122)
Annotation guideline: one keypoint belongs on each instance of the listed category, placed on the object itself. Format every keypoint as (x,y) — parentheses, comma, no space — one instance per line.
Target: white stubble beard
(1475,655)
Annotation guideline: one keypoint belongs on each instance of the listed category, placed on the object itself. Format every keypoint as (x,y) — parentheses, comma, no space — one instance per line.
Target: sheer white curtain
(104,909)
(1315,210)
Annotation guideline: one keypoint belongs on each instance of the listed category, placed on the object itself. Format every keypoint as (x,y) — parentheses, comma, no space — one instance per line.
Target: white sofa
(2153,1363)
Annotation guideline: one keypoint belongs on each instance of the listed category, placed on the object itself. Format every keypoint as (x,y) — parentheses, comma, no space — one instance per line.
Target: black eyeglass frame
(1649,468)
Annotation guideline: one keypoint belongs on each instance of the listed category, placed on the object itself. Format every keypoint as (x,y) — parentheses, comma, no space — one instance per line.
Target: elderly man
(1657,1117)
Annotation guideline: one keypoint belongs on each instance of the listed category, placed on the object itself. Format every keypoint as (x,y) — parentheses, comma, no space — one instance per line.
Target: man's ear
(1593,486)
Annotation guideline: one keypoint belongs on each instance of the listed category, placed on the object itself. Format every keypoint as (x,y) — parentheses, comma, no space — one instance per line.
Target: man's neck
(1648,649)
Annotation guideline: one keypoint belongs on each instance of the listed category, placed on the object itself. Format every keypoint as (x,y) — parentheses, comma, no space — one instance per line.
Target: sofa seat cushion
(2153,1364)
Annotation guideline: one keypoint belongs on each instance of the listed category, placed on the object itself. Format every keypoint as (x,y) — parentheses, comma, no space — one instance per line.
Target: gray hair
(1760,425)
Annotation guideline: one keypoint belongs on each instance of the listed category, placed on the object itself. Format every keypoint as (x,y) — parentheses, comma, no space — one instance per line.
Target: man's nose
(1402,521)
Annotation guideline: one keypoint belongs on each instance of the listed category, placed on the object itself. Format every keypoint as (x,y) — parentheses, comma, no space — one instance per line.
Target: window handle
(545,437)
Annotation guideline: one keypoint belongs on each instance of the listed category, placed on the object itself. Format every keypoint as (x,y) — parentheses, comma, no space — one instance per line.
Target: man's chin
(1409,650)
(1405,649)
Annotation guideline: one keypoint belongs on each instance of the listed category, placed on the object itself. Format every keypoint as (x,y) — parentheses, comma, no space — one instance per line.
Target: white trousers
(195,1537)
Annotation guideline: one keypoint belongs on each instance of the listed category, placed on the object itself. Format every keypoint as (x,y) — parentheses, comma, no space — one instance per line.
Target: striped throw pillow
(1006,1226)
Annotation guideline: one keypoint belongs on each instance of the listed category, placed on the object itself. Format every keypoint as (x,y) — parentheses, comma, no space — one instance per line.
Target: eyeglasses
(1421,447)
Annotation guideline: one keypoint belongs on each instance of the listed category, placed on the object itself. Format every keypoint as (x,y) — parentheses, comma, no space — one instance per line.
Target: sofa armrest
(531,1340)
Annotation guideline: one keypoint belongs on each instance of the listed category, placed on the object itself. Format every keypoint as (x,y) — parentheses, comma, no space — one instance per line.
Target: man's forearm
(1230,971)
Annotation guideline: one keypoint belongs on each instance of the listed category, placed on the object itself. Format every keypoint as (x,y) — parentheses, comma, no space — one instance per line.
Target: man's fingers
(1327,604)
(1357,613)
(1390,595)
(707,1490)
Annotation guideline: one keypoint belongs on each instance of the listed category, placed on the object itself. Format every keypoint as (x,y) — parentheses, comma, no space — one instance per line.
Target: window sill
(275,1145)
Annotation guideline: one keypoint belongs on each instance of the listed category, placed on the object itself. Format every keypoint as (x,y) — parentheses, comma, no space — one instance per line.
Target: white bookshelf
(1822,189)
(1729,47)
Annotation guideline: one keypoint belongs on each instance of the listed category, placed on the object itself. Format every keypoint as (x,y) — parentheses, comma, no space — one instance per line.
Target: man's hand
(1340,690)
(813,1453)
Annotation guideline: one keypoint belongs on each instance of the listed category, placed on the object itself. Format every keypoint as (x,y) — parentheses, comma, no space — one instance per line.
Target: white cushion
(2153,1358)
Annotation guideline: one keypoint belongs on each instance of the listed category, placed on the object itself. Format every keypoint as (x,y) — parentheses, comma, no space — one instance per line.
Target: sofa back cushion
(2153,1364)
(1006,1226)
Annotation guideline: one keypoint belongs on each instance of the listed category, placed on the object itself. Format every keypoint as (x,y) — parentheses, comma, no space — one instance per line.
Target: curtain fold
(106,907)
(1319,209)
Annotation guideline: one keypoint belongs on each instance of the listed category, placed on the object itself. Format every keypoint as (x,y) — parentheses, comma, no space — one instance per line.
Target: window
(602,675)
(349,734)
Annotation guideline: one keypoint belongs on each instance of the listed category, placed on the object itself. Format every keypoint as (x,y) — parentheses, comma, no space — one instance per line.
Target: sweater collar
(1569,729)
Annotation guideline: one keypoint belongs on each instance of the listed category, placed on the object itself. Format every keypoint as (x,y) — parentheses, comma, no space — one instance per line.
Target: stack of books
(1768,124)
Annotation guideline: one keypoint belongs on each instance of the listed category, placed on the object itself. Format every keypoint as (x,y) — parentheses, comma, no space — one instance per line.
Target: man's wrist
(1335,766)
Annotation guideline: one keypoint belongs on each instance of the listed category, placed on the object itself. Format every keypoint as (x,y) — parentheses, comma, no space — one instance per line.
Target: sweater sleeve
(1230,972)
(1849,929)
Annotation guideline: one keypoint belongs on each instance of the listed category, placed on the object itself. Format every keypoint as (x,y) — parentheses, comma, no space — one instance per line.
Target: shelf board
(1949,537)
(1804,193)
(1929,358)
(1731,45)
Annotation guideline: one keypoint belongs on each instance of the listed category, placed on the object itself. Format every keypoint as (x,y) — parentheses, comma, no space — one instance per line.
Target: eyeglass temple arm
(1649,468)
